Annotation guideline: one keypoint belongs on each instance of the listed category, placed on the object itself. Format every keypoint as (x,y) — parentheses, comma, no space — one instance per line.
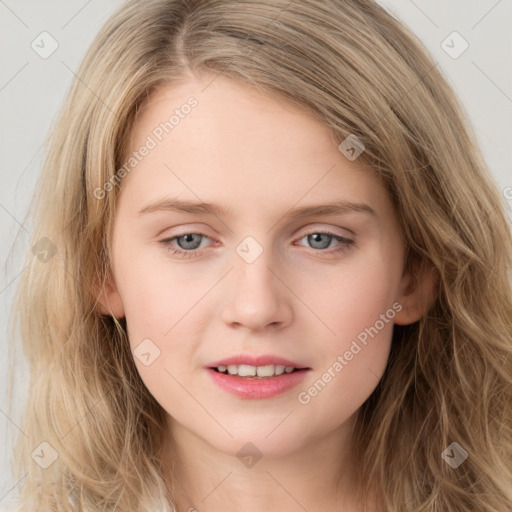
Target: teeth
(245,370)
(279,369)
(265,371)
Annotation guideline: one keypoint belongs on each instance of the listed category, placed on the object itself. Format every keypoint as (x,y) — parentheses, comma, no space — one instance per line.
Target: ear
(109,299)
(417,292)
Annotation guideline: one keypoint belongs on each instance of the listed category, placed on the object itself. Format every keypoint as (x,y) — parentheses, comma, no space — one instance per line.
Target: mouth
(256,382)
(250,376)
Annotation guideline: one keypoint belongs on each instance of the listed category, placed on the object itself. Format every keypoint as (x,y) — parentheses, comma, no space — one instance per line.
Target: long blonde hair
(359,71)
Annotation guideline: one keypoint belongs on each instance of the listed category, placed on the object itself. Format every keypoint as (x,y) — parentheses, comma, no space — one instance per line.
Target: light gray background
(32,90)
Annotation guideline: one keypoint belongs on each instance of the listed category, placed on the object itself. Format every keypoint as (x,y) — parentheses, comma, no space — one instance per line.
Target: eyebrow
(340,207)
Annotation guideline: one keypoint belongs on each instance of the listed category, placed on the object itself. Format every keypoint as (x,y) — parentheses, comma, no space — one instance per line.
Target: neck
(203,478)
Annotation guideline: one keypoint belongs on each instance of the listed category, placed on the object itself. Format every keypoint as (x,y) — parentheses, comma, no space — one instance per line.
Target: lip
(257,388)
(252,387)
(261,360)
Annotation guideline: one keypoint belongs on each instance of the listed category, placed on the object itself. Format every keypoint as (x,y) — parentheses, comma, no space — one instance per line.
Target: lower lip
(247,387)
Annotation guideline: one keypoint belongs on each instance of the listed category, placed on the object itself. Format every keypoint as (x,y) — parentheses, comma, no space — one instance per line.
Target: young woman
(278,275)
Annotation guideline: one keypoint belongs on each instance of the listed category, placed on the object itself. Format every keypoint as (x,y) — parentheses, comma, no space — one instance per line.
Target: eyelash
(346,243)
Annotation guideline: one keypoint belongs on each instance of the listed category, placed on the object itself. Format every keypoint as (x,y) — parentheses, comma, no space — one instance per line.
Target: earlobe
(417,294)
(109,299)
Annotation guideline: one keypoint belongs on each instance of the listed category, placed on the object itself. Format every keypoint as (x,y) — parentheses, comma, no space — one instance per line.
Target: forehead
(239,144)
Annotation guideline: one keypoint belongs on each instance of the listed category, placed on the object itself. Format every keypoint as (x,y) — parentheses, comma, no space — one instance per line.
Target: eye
(188,245)
(321,240)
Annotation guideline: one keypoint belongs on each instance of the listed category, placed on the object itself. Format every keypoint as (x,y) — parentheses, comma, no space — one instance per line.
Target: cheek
(156,305)
(157,294)
(357,310)
(162,303)
(353,297)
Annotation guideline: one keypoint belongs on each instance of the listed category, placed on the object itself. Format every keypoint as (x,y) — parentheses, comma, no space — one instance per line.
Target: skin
(258,157)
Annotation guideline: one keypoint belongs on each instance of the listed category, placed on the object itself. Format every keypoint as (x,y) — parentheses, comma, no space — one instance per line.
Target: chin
(254,444)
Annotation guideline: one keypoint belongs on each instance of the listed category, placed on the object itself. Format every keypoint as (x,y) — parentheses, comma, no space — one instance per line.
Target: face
(258,273)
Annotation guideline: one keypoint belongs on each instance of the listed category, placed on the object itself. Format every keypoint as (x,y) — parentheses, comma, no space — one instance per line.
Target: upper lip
(261,360)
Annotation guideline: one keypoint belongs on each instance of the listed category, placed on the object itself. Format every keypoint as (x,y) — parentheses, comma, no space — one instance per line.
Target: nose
(258,299)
